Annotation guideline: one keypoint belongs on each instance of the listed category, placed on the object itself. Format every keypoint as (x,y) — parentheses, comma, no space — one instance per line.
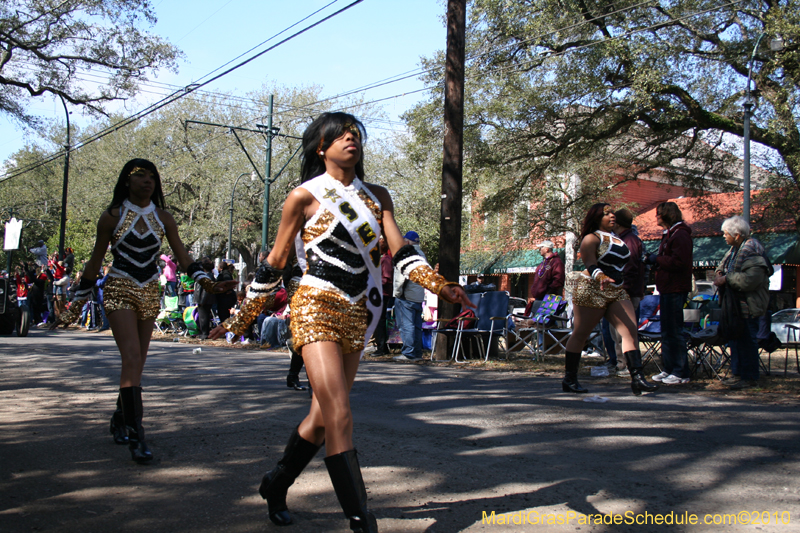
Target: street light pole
(775,45)
(230,224)
(63,230)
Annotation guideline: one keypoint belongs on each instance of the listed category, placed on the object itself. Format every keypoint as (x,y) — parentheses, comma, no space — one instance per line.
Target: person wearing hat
(40,252)
(632,273)
(408,298)
(549,276)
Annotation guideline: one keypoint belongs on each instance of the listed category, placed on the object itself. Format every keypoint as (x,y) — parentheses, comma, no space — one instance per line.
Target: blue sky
(372,41)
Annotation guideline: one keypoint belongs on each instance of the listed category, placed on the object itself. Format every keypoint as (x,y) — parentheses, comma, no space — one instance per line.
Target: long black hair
(320,134)
(121,188)
(591,221)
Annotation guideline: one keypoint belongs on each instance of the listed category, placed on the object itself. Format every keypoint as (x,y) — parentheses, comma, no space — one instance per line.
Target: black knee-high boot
(349,486)
(132,412)
(118,424)
(276,482)
(638,383)
(570,383)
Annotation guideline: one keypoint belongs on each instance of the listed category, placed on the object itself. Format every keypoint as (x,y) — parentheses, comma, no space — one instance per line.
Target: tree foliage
(198,164)
(61,48)
(610,89)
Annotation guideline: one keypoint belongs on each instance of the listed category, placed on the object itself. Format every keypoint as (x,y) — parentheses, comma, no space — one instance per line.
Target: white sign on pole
(13,233)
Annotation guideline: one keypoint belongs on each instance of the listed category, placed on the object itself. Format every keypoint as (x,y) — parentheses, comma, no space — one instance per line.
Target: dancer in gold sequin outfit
(597,292)
(134,225)
(339,219)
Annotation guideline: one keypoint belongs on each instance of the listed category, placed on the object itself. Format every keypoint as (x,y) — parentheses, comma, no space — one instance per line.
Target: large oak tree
(559,85)
(89,52)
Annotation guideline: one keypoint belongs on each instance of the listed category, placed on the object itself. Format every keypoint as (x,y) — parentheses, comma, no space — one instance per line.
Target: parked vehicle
(707,289)
(783,318)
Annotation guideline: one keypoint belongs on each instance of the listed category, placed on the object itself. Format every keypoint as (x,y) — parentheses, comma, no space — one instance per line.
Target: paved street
(439,446)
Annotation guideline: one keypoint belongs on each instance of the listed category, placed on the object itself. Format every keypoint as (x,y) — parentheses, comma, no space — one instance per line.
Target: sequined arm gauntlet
(259,294)
(196,272)
(415,268)
(82,295)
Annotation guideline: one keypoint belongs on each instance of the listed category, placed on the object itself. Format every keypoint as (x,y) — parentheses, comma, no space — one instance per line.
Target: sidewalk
(439,446)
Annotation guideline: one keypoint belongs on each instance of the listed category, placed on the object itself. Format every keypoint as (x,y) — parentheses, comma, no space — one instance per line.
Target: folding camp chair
(520,333)
(491,319)
(707,348)
(792,342)
(551,326)
(170,319)
(650,330)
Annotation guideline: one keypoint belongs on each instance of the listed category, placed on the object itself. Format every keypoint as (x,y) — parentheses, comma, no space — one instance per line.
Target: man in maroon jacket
(549,276)
(673,264)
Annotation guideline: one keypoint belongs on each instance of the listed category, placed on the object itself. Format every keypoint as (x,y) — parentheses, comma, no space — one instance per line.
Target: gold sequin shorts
(586,292)
(121,293)
(319,315)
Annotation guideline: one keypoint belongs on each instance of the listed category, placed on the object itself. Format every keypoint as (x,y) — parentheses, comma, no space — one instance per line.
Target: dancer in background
(598,293)
(135,225)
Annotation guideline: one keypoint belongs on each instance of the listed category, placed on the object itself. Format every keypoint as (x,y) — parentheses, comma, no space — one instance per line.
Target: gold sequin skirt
(121,293)
(586,291)
(319,315)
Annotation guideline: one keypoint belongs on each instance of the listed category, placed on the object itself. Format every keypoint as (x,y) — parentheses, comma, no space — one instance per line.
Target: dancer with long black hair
(333,221)
(597,293)
(135,225)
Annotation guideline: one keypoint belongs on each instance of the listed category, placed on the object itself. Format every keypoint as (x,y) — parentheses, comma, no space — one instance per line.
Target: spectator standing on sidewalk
(205,300)
(744,271)
(381,335)
(408,298)
(40,252)
(632,272)
(171,275)
(549,276)
(673,264)
(226,300)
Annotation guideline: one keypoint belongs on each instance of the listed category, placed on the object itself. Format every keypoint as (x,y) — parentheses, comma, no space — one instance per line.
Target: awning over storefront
(472,263)
(517,262)
(708,251)
(792,255)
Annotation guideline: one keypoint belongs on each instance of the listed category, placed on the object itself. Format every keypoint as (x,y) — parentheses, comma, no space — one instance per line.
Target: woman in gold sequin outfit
(339,219)
(597,292)
(134,225)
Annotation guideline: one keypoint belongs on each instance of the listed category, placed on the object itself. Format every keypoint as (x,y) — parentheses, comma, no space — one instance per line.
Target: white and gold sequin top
(334,262)
(135,252)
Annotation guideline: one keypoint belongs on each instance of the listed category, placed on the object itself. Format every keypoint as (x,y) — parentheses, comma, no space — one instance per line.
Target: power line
(180,93)
(386,81)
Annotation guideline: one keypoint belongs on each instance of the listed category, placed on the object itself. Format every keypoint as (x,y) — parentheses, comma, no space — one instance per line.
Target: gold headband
(349,126)
(137,169)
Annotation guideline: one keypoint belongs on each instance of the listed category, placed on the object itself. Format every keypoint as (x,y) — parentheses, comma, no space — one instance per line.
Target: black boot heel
(638,383)
(570,384)
(133,412)
(293,381)
(275,483)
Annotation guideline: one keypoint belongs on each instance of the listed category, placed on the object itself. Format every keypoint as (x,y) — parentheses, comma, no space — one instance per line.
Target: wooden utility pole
(452,167)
